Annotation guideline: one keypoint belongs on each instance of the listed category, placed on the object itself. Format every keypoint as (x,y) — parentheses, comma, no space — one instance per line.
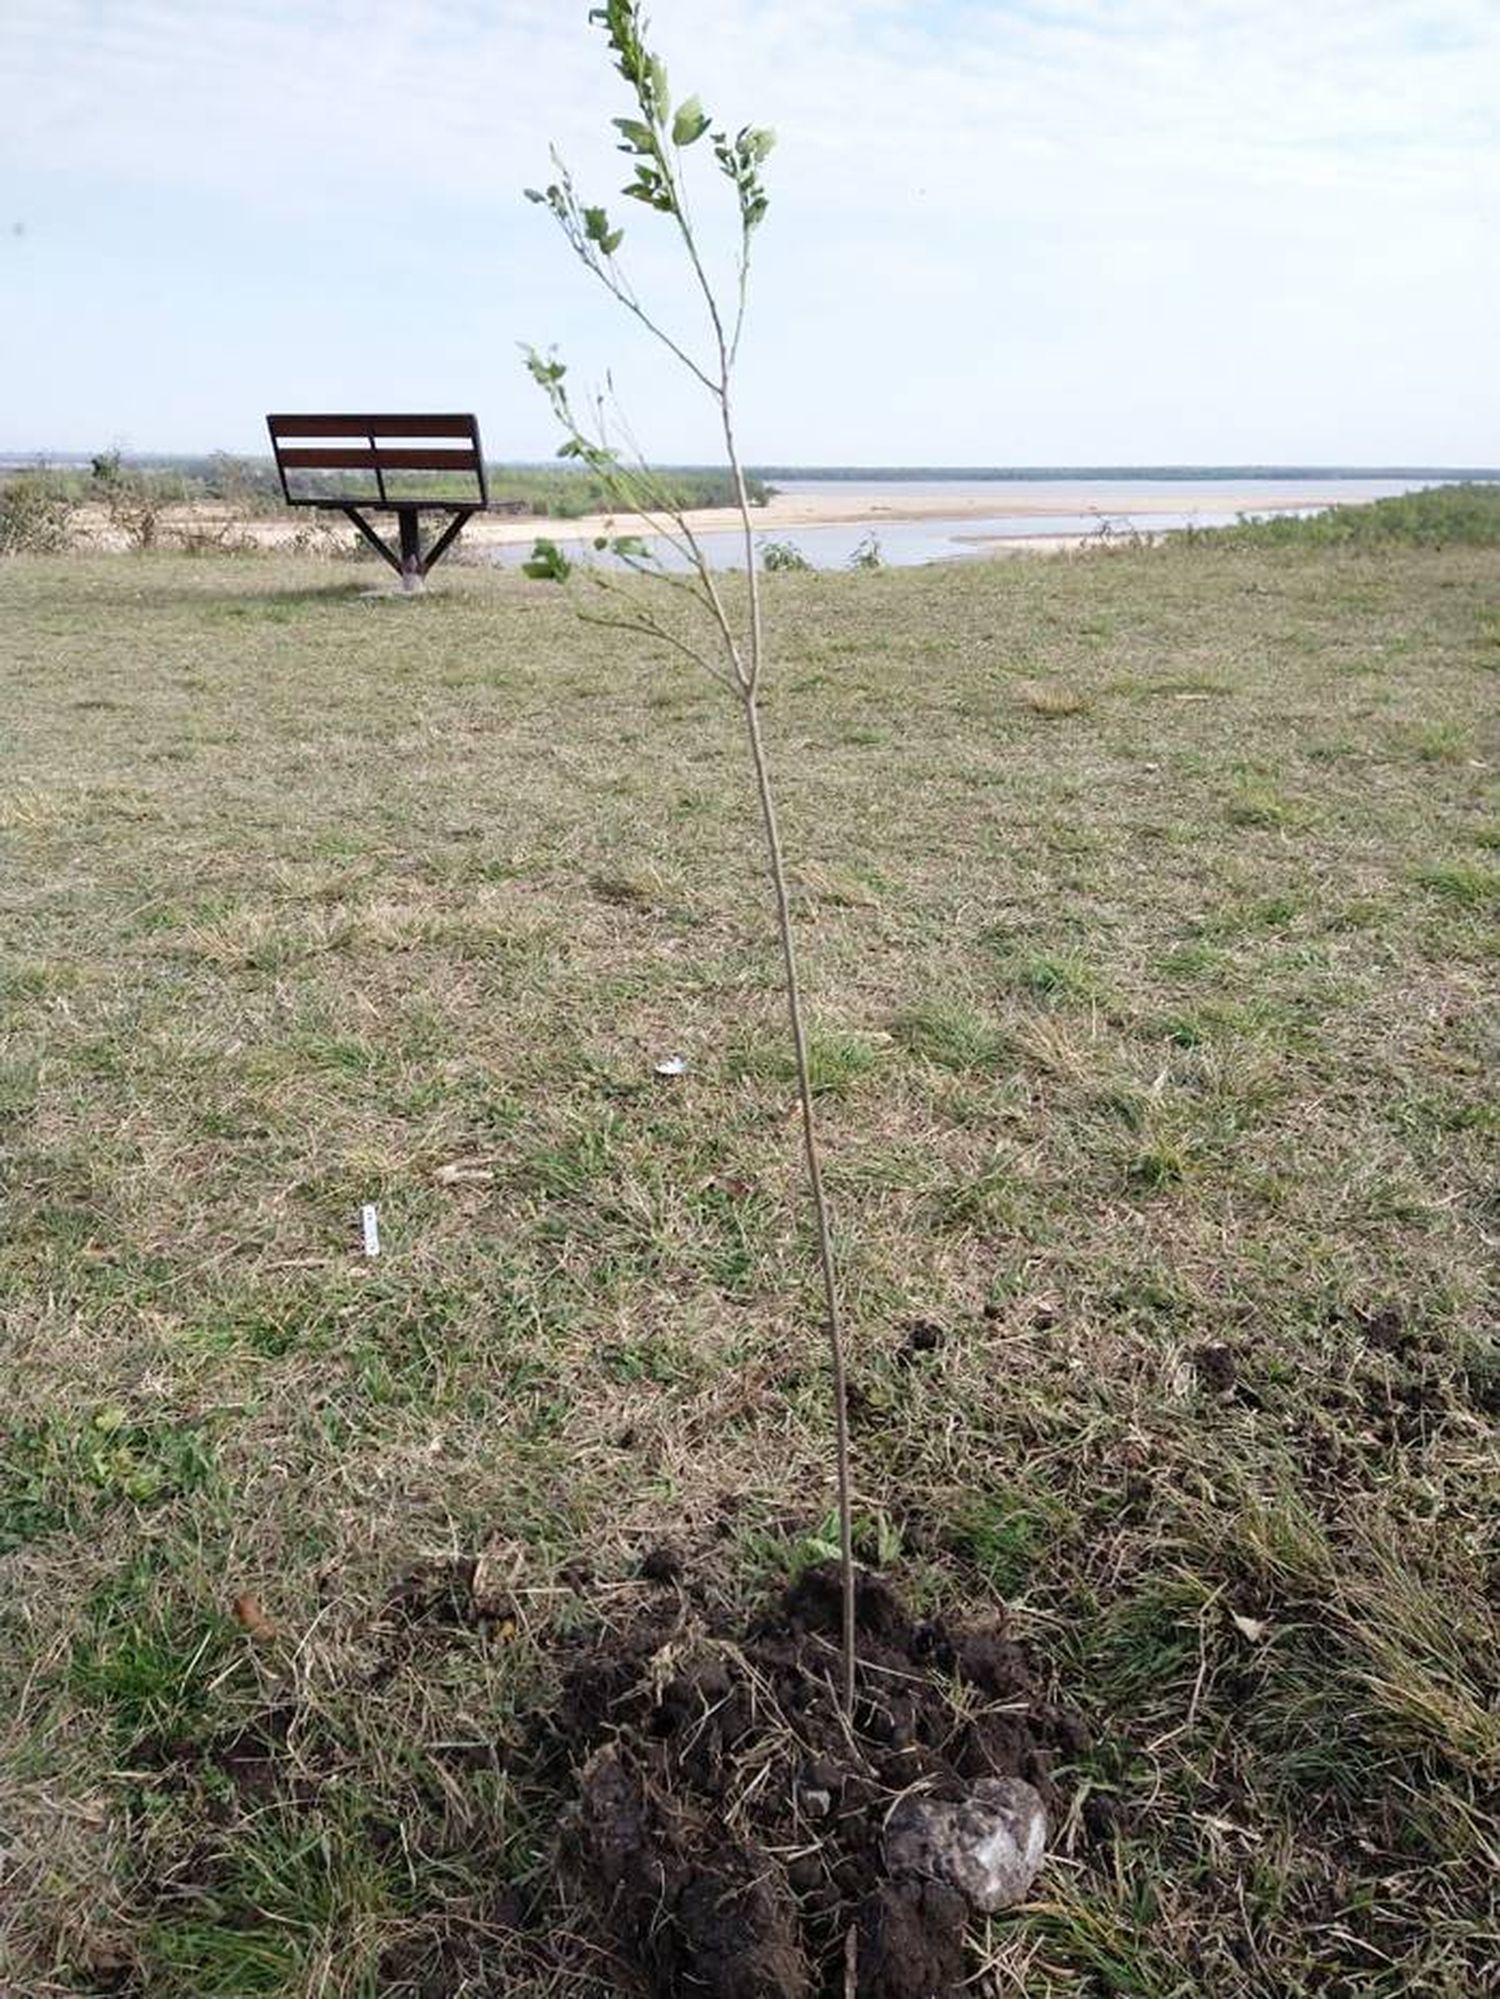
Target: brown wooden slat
(323,458)
(340,503)
(372,426)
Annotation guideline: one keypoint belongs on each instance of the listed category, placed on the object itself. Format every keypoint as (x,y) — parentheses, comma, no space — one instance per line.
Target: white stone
(989,1845)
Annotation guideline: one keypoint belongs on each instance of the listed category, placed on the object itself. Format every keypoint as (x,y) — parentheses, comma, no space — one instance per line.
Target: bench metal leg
(413,569)
(411,565)
(449,535)
(371,537)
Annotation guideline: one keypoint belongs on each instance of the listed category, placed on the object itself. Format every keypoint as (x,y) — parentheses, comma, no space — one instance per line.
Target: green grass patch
(56,1474)
(835,1061)
(1462,882)
(1054,976)
(951,1035)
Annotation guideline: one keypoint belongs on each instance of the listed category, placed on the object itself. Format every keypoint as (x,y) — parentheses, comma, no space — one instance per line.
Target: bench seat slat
(317,458)
(372,426)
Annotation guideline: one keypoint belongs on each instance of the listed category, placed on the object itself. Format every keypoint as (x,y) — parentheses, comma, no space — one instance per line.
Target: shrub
(134,500)
(782,555)
(36,515)
(1466,513)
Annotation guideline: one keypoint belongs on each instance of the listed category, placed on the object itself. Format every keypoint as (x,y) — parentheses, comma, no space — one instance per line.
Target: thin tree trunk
(815,1184)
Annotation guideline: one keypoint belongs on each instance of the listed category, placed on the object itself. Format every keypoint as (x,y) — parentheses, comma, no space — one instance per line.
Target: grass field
(1151,911)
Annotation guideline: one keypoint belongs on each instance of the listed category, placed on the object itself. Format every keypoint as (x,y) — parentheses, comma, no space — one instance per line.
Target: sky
(1014,232)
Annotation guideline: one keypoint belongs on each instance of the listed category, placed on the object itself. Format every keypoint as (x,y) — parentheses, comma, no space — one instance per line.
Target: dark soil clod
(662,1564)
(442,1594)
(922,1336)
(1216,1367)
(704,1912)
(1387,1330)
(730,1823)
(911,1940)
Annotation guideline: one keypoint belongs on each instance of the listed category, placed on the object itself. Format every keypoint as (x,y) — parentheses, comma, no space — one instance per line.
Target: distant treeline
(564,493)
(550,492)
(857,473)
(1437,517)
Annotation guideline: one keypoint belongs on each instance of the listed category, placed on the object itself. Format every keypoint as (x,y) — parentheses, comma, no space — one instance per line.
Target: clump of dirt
(921,1336)
(254,1756)
(1387,1330)
(729,1817)
(662,1564)
(440,1593)
(1217,1367)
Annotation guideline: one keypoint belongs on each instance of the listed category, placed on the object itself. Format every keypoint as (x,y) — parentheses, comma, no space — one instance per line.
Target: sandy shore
(782,514)
(787,511)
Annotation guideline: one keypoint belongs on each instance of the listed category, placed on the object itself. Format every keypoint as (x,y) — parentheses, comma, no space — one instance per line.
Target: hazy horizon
(881,470)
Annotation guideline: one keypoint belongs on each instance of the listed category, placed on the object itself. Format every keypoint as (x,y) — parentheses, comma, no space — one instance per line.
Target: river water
(1023,510)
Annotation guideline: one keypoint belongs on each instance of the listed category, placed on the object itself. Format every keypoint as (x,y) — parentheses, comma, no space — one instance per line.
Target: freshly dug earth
(729,1818)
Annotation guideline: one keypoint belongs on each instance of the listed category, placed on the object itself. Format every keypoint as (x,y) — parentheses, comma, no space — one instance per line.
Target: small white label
(370,1222)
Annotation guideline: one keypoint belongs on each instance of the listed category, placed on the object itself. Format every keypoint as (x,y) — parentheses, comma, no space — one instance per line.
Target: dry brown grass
(1156,1041)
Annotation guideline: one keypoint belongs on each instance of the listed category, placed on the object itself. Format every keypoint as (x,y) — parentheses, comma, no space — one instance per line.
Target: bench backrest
(359,444)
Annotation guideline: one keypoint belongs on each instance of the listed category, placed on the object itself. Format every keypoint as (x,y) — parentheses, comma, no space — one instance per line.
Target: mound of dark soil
(729,1819)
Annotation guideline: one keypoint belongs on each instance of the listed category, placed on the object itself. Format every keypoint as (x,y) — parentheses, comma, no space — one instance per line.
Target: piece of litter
(672,1065)
(1249,1627)
(370,1223)
(251,1615)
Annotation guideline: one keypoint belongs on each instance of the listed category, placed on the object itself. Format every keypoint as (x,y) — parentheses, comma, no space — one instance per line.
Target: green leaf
(656,69)
(610,243)
(691,122)
(595,224)
(638,138)
(543,371)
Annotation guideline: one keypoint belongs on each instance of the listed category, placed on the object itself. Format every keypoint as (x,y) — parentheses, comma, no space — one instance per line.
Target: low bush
(36,515)
(784,555)
(1463,514)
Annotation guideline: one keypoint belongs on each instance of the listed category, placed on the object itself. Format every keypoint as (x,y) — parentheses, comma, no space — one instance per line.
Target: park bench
(399,478)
